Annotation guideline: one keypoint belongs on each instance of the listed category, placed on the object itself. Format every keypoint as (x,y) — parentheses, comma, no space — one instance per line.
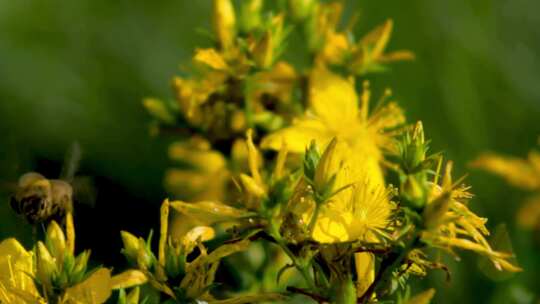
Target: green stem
(387,268)
(304,270)
(313,219)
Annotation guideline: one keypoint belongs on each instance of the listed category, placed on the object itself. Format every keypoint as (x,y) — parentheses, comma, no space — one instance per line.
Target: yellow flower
(451,224)
(524,174)
(358,208)
(16,271)
(334,112)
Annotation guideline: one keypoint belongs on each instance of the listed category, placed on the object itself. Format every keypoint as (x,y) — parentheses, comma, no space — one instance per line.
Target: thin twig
(316,297)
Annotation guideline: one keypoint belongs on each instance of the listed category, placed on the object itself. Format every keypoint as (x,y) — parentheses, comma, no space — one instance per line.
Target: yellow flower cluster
(294,160)
(338,199)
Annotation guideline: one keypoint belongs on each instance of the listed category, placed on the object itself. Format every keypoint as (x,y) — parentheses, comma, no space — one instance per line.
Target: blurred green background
(78,70)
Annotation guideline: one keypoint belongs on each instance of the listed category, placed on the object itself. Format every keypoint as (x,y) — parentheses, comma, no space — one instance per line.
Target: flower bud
(45,265)
(413,191)
(330,167)
(145,258)
(158,110)
(56,241)
(250,15)
(131,246)
(264,51)
(79,269)
(301,9)
(224,22)
(251,186)
(414,148)
(133,296)
(175,262)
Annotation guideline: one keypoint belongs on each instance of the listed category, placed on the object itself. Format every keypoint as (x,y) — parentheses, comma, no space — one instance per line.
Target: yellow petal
(332,98)
(516,171)
(335,47)
(163,231)
(128,279)
(331,227)
(12,247)
(299,136)
(200,233)
(16,270)
(253,157)
(96,289)
(70,233)
(400,55)
(195,235)
(382,40)
(224,21)
(365,270)
(251,186)
(208,211)
(57,240)
(211,58)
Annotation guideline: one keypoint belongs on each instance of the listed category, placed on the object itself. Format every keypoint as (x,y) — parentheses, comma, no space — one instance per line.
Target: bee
(40,200)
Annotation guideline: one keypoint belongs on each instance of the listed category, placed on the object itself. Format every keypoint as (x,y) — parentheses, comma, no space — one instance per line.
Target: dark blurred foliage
(78,70)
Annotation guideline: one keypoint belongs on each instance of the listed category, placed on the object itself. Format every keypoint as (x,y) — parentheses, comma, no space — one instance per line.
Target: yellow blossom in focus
(522,173)
(334,112)
(358,209)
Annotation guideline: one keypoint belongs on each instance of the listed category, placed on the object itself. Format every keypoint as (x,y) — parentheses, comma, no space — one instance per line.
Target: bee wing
(500,240)
(71,162)
(84,191)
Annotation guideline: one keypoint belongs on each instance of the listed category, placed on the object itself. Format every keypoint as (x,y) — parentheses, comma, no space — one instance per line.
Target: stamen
(11,275)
